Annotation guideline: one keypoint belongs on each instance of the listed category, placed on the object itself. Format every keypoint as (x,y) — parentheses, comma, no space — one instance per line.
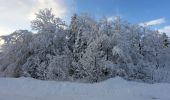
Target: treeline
(86,50)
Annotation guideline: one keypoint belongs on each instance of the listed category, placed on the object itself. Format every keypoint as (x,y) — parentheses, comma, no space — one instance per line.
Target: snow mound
(112,89)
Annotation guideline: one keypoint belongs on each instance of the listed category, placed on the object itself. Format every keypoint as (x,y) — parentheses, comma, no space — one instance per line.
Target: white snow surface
(112,89)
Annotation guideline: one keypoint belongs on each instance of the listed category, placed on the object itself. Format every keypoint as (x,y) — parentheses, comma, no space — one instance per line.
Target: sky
(17,14)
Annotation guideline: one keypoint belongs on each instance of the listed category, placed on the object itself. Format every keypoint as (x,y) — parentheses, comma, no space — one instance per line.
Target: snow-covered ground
(112,89)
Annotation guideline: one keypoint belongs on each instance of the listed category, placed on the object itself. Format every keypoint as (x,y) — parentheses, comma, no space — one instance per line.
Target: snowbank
(112,89)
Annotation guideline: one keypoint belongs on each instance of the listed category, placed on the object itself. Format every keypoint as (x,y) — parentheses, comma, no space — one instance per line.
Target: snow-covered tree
(73,31)
(15,51)
(165,40)
(46,21)
(88,50)
(94,62)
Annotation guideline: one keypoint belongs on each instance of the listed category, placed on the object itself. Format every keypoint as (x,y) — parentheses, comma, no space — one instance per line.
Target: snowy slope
(112,89)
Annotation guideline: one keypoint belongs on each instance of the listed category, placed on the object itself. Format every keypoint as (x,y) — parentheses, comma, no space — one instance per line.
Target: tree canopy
(86,50)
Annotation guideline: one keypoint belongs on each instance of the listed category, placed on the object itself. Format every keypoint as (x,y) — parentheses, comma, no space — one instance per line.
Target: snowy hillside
(115,88)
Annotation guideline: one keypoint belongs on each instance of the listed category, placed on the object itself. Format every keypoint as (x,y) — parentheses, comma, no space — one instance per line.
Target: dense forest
(86,50)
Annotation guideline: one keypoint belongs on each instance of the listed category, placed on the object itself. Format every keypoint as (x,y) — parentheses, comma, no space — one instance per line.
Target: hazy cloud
(4,30)
(165,29)
(153,22)
(111,18)
(59,8)
(16,14)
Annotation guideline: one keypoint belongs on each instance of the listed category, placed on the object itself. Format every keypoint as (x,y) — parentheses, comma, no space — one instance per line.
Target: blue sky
(132,10)
(16,14)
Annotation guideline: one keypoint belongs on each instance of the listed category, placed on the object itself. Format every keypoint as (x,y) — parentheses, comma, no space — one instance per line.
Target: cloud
(58,6)
(153,22)
(165,29)
(112,18)
(4,31)
(16,14)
